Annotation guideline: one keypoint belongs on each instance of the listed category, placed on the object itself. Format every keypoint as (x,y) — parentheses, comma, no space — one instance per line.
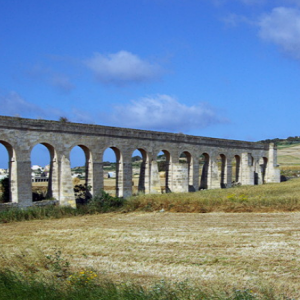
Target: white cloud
(282,27)
(165,113)
(122,68)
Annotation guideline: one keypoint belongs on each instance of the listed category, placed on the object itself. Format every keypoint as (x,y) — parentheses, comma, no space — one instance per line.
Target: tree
(63,119)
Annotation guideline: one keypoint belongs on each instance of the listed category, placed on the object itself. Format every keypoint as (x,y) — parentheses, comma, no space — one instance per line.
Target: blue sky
(225,69)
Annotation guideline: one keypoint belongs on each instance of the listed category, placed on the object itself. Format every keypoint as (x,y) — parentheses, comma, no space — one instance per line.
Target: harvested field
(217,250)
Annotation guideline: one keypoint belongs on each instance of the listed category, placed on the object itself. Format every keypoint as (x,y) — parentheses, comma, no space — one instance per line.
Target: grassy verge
(63,283)
(263,198)
(14,288)
(101,203)
(279,197)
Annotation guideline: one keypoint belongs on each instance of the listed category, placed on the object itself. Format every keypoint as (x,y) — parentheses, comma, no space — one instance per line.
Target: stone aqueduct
(254,163)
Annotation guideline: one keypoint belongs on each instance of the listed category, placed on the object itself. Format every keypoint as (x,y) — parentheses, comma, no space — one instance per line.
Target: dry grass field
(289,155)
(218,250)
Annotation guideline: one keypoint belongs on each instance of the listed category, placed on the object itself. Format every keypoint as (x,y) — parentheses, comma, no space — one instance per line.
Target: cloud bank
(165,113)
(122,68)
(282,27)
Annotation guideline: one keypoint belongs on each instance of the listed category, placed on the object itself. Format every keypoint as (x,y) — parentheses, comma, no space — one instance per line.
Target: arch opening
(139,171)
(163,162)
(5,172)
(80,162)
(263,168)
(222,168)
(236,167)
(112,171)
(43,159)
(203,171)
(186,158)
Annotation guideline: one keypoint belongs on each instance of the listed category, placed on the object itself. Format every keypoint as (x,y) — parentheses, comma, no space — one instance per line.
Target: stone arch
(236,170)
(82,187)
(204,165)
(11,170)
(118,167)
(142,167)
(186,158)
(48,178)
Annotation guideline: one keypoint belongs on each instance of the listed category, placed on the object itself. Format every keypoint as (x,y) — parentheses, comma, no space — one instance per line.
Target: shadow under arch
(118,186)
(263,163)
(10,191)
(222,167)
(236,170)
(143,174)
(186,158)
(204,170)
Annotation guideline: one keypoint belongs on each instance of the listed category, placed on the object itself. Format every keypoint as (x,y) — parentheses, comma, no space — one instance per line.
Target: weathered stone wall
(20,135)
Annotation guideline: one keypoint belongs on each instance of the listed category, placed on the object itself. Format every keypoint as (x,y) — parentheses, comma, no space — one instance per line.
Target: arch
(204,170)
(222,167)
(163,159)
(236,170)
(82,176)
(263,162)
(140,170)
(7,174)
(45,179)
(186,158)
(113,182)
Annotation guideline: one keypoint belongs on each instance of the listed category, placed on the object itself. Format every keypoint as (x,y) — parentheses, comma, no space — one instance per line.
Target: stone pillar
(180,183)
(96,181)
(127,177)
(272,171)
(194,176)
(229,173)
(155,187)
(144,178)
(247,170)
(119,178)
(20,182)
(67,197)
(53,183)
(213,175)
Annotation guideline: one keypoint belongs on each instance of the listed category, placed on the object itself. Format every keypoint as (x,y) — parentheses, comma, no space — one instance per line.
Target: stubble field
(218,251)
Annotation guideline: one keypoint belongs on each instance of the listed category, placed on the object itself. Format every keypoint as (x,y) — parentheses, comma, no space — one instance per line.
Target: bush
(104,202)
(5,189)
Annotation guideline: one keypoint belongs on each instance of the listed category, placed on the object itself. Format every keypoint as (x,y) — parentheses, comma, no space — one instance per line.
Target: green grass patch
(16,287)
(276,197)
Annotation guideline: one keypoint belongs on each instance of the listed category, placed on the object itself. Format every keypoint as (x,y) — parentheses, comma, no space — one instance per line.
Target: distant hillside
(288,141)
(288,153)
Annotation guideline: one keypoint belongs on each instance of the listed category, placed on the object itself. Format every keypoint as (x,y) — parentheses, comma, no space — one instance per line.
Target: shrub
(104,202)
(5,187)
